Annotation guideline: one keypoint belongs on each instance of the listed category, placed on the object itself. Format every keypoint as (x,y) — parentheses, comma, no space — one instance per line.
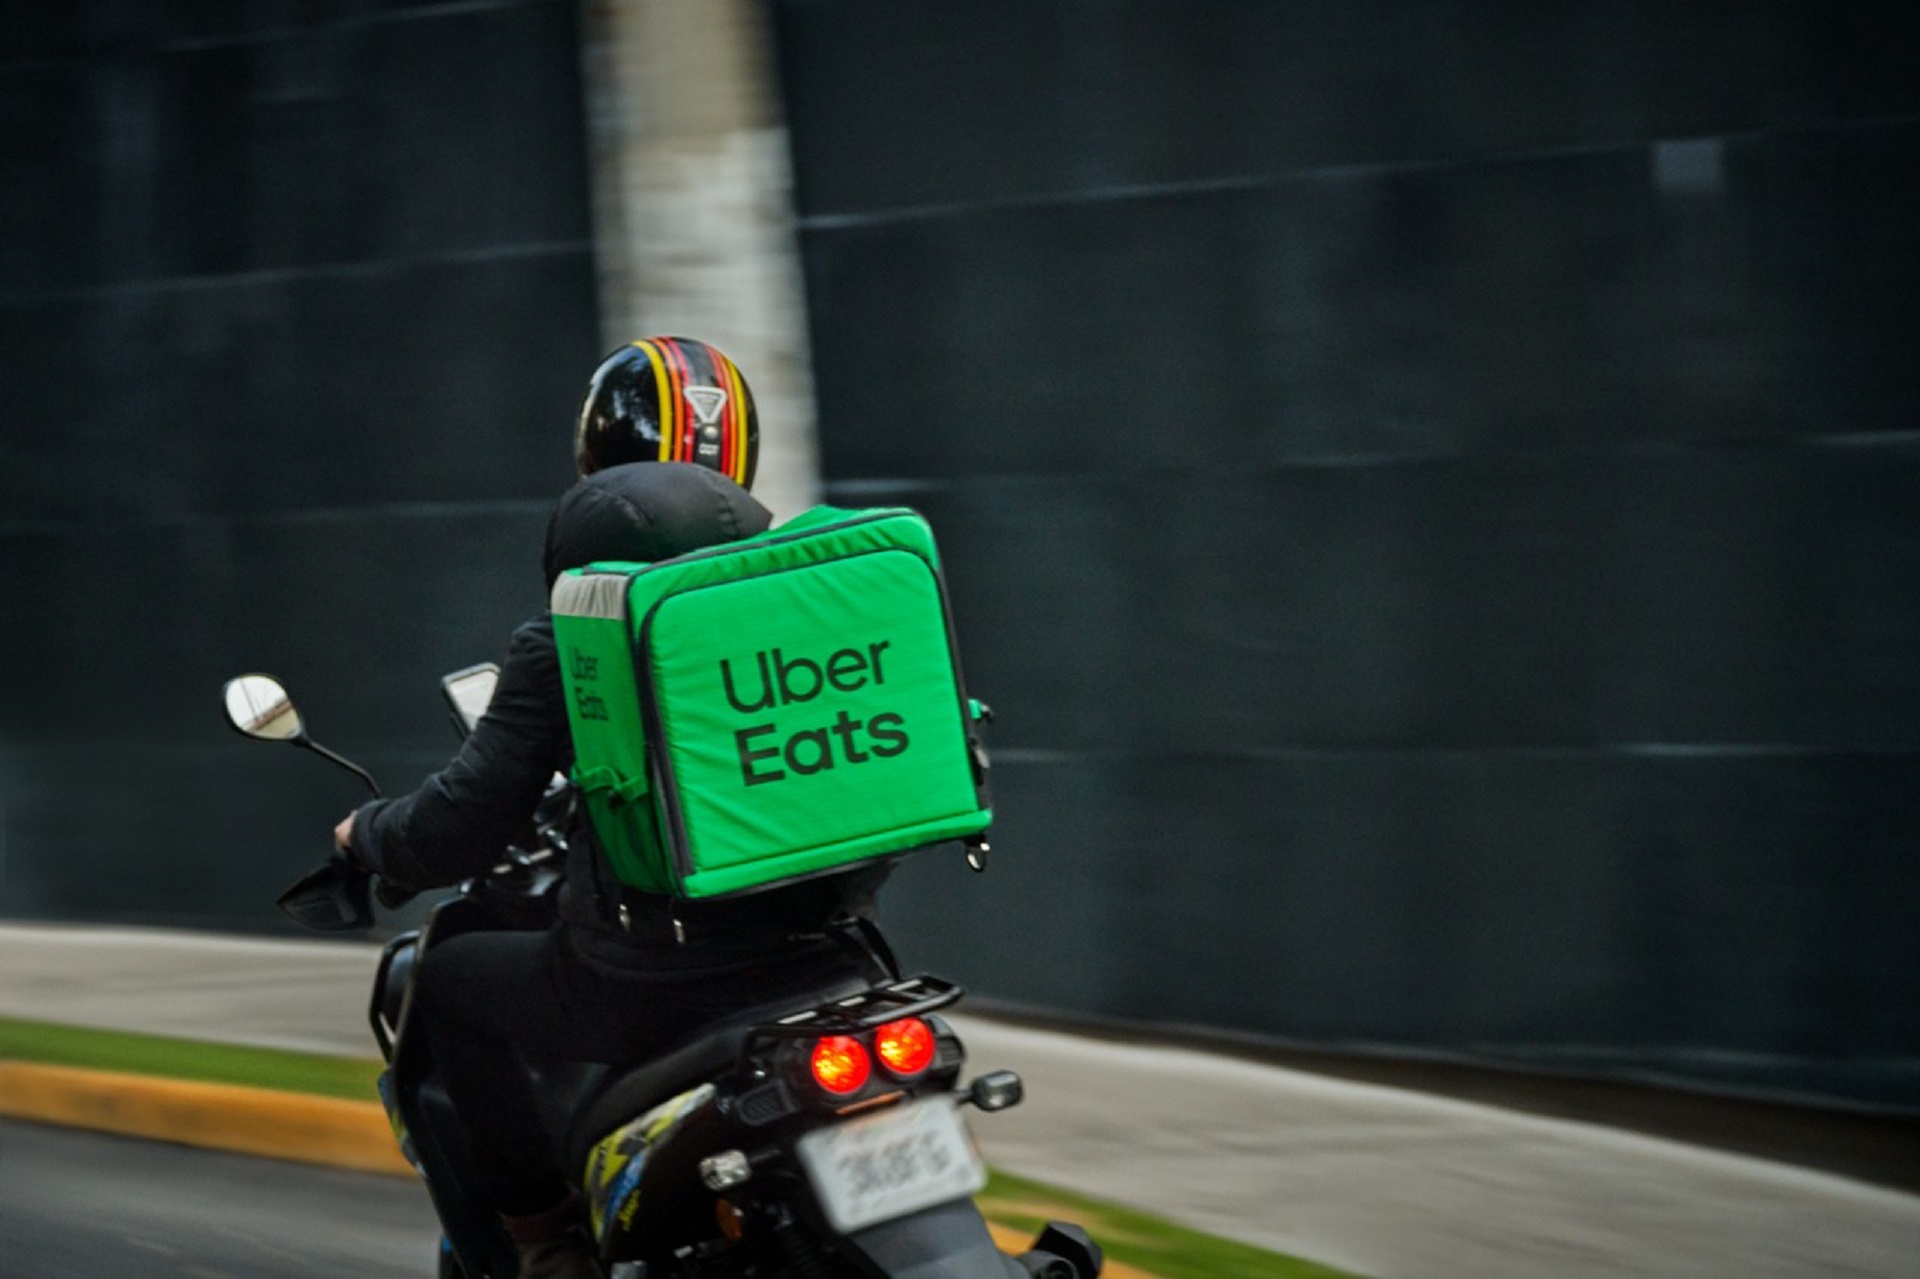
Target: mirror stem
(345,763)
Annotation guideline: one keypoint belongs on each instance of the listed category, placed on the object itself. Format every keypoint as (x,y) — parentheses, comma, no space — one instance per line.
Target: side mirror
(258,705)
(468,692)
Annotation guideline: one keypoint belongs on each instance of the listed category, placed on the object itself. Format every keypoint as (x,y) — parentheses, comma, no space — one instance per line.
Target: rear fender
(947,1242)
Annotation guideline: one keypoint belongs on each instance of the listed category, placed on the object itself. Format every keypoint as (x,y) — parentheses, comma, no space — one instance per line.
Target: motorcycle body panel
(432,1134)
(642,1181)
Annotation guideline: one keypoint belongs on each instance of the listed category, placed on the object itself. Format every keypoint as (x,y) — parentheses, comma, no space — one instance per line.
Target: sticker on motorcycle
(618,1159)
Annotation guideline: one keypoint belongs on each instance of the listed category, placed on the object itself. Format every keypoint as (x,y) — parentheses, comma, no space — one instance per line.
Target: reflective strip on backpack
(587,594)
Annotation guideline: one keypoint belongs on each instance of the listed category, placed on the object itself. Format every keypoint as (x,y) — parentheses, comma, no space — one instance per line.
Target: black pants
(487,1000)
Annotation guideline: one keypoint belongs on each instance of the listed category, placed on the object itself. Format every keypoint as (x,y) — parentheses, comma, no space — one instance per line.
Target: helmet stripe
(682,414)
(682,411)
(718,363)
(662,384)
(736,424)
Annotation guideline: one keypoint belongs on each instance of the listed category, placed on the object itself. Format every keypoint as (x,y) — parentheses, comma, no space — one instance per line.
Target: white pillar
(693,209)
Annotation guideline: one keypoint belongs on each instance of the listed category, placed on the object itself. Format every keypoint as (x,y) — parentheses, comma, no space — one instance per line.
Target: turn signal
(906,1046)
(840,1065)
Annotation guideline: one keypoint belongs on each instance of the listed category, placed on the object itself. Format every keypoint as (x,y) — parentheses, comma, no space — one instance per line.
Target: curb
(330,1131)
(296,1127)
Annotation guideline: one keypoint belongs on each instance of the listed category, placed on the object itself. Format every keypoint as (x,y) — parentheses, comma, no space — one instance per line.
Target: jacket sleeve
(461,819)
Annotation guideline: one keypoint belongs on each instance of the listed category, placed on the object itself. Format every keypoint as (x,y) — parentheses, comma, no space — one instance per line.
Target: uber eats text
(771,680)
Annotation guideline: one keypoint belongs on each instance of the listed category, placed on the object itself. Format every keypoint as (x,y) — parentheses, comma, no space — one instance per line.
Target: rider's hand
(391,895)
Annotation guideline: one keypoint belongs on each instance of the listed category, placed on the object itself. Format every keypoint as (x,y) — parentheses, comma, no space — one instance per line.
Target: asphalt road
(78,1205)
(1381,1181)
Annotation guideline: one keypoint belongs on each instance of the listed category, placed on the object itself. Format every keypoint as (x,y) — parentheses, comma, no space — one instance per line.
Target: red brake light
(840,1065)
(906,1046)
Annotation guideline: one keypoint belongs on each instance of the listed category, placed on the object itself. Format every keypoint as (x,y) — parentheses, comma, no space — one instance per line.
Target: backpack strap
(604,780)
(863,941)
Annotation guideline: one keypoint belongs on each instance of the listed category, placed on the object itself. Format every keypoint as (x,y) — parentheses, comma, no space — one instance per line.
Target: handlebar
(340,894)
(332,899)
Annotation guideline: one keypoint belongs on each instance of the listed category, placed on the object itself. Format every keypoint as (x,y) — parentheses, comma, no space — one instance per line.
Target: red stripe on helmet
(684,448)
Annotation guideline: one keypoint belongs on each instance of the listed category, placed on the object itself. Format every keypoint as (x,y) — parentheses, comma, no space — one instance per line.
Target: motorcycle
(813,1139)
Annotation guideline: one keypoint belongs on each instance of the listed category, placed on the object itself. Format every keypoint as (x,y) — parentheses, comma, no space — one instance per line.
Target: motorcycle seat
(624,1093)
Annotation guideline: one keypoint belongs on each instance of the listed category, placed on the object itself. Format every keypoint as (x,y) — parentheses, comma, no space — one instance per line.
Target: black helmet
(669,400)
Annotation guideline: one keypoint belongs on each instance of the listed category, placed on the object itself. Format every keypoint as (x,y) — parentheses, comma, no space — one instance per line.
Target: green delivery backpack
(778,707)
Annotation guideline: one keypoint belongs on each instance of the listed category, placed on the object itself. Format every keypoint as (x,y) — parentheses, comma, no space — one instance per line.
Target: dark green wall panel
(1431,493)
(295,306)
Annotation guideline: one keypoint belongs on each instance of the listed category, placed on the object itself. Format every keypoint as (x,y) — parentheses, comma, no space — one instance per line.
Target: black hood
(648,511)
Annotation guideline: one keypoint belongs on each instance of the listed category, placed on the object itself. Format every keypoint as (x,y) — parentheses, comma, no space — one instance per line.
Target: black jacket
(460,820)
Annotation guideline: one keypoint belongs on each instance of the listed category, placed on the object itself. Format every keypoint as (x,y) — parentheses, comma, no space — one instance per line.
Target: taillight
(840,1065)
(905,1047)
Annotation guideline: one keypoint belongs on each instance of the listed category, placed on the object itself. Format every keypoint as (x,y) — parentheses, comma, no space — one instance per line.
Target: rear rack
(875,1006)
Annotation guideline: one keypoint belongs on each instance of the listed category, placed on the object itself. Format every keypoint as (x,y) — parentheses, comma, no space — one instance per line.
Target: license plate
(889,1164)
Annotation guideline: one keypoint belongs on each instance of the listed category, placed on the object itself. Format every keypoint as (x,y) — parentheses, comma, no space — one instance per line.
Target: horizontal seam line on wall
(1851,440)
(266,35)
(309,515)
(268,276)
(1628,750)
(1142,191)
(387,17)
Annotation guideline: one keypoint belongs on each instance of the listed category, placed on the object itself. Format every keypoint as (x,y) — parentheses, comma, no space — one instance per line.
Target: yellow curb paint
(253,1121)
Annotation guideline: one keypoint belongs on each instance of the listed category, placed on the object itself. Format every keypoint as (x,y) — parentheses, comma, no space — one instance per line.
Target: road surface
(76,1205)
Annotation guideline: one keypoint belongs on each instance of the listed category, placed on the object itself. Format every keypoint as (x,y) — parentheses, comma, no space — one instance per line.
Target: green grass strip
(1140,1239)
(61,1045)
(1136,1238)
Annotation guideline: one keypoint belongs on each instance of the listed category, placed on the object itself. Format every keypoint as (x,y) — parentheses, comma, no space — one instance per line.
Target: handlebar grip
(332,898)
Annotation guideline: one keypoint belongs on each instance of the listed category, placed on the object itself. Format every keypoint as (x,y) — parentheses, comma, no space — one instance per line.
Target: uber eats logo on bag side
(773,679)
(586,669)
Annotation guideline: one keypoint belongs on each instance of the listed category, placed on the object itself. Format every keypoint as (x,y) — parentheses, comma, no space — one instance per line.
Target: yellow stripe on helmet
(664,383)
(737,399)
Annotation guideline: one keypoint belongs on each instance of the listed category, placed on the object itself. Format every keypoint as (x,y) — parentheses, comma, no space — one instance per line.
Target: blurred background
(1431,490)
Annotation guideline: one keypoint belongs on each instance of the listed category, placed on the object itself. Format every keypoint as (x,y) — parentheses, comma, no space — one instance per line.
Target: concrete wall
(296,303)
(1432,493)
